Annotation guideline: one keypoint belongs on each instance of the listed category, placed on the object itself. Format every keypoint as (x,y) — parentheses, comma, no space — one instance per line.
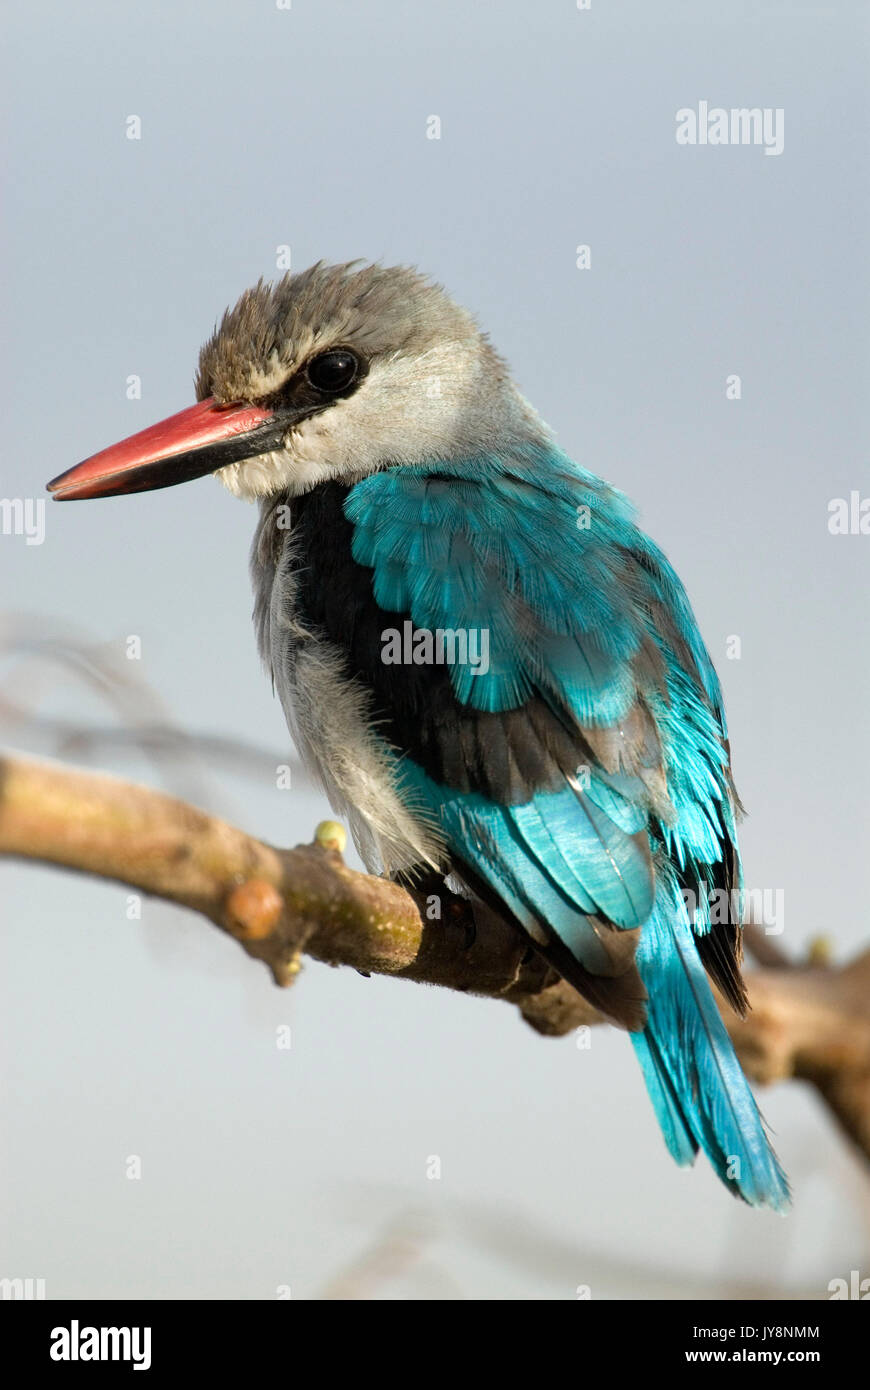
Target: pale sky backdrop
(306,127)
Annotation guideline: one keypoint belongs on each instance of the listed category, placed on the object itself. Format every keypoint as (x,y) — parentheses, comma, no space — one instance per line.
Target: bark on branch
(811,1023)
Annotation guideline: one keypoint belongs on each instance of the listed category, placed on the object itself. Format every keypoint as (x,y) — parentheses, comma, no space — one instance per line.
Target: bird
(492,671)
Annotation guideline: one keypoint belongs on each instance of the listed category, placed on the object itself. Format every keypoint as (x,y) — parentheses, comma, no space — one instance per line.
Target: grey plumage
(384,311)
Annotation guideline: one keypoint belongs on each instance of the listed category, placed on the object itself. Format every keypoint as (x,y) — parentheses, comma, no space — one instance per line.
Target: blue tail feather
(700,1095)
(682,1145)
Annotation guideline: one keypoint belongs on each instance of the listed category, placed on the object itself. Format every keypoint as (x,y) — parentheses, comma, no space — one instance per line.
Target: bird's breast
(311,615)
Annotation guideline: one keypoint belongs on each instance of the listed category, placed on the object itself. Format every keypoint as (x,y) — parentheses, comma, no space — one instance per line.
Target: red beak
(196,441)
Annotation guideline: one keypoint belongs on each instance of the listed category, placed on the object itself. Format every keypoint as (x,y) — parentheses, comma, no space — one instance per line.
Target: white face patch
(440,404)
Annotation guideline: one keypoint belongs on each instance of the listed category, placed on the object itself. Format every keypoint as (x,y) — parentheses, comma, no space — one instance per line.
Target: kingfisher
(492,671)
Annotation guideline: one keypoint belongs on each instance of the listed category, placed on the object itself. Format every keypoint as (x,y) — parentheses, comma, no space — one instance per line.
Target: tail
(700,1095)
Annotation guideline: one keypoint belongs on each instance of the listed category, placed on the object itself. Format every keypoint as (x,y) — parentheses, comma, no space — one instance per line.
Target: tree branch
(811,1023)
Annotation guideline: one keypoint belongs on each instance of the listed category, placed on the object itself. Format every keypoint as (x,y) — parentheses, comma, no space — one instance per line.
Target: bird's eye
(332,371)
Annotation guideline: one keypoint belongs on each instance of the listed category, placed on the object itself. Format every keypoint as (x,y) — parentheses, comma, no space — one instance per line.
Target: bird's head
(331,373)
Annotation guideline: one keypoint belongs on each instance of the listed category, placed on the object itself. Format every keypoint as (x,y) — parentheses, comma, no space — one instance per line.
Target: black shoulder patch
(505,756)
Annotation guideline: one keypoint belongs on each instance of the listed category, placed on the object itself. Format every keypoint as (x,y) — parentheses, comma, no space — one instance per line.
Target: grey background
(308,127)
